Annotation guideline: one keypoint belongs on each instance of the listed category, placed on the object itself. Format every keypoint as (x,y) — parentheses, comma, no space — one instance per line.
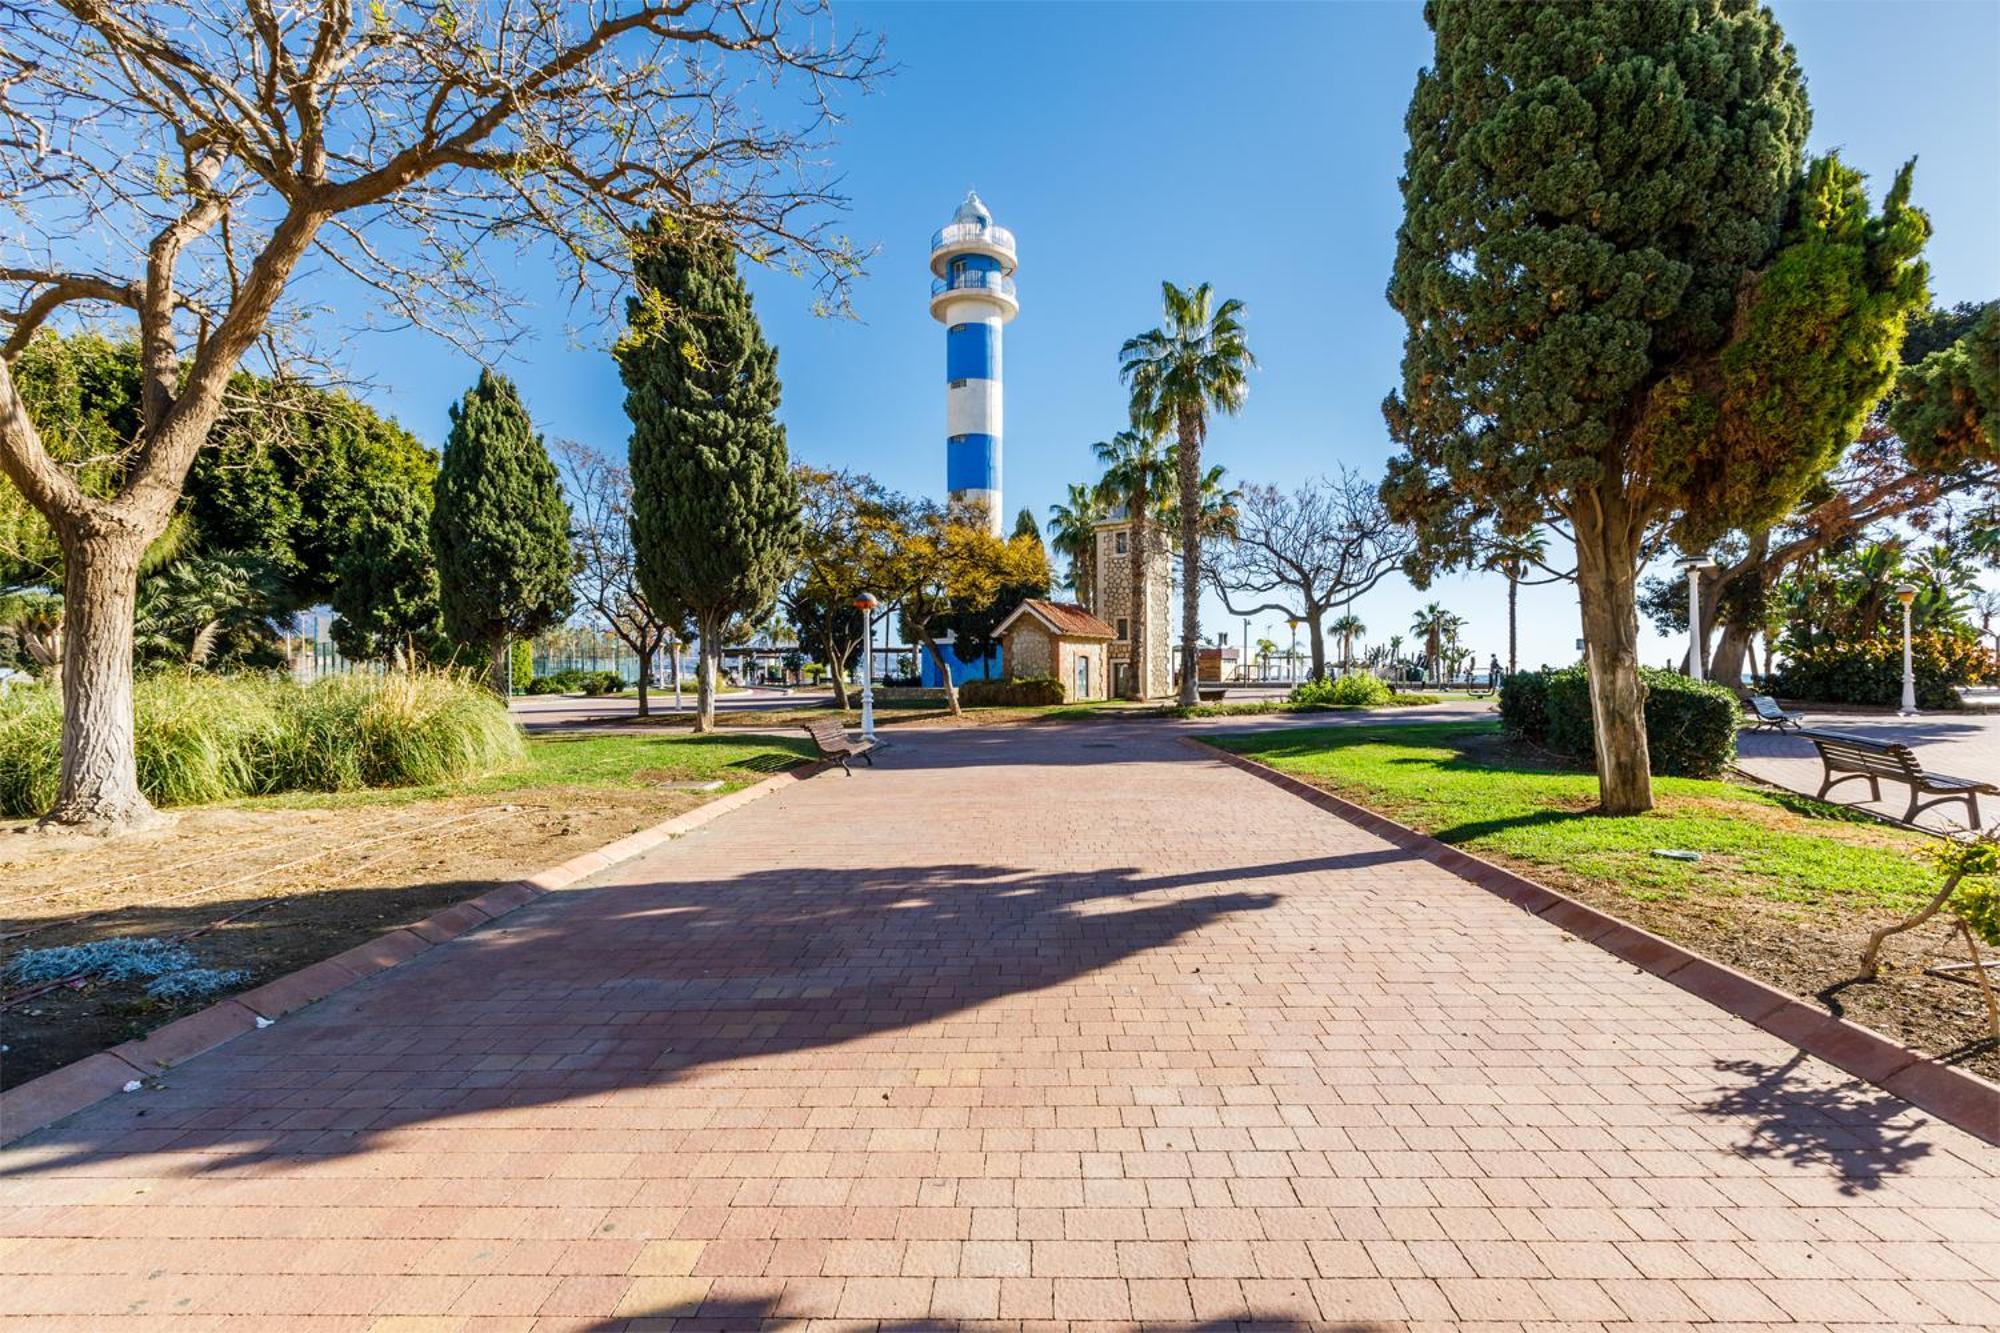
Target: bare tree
(180,162)
(1302,553)
(606,578)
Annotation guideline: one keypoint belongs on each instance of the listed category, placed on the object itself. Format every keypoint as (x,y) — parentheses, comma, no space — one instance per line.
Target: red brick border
(60,1093)
(1956,1096)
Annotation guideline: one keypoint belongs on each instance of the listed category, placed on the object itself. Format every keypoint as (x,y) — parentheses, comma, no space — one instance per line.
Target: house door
(1082,676)
(1121,675)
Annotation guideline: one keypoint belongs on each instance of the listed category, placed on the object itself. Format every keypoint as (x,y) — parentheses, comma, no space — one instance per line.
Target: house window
(1121,549)
(1121,620)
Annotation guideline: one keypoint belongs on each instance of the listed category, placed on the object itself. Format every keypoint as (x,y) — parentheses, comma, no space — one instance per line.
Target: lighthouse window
(1121,629)
(958,384)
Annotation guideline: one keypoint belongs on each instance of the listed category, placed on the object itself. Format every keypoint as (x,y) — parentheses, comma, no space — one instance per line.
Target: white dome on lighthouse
(972,210)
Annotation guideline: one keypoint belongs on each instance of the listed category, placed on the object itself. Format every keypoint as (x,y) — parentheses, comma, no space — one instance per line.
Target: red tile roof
(1064,618)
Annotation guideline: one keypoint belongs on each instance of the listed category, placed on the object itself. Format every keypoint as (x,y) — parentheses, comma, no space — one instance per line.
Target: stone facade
(1112,602)
(1031,646)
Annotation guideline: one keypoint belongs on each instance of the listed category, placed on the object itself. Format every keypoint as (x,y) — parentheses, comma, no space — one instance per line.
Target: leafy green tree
(1947,406)
(837,555)
(715,508)
(1630,301)
(1196,362)
(499,527)
(385,584)
(972,624)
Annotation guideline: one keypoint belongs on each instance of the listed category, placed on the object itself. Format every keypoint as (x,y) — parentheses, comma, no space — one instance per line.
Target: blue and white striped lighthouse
(973,297)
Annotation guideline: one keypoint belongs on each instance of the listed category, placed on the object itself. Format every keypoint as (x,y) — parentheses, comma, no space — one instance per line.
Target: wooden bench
(834,743)
(1765,715)
(1210,694)
(1848,758)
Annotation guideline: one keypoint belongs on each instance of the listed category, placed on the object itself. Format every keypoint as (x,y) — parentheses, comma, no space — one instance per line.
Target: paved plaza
(1024,1027)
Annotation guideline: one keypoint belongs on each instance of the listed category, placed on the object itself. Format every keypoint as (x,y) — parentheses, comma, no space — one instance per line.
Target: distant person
(1493,673)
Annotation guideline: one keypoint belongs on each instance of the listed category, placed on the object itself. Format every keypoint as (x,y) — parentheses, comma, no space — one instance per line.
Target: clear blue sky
(1254,146)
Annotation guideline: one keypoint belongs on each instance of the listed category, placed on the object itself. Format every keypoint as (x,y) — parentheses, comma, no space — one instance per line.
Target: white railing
(974,280)
(974,233)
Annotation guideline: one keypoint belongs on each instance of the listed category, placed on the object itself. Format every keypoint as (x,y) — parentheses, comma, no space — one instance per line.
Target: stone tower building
(1112,602)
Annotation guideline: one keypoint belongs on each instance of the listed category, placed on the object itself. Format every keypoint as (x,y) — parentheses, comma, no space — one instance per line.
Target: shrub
(1524,704)
(216,738)
(1690,725)
(1013,692)
(1871,671)
(574,680)
(1359,690)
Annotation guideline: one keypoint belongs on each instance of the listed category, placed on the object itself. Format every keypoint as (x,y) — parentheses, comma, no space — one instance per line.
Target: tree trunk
(100,771)
(501,676)
(707,664)
(646,679)
(1606,582)
(944,674)
(1190,485)
(839,677)
(1513,621)
(1726,666)
(1142,602)
(1316,639)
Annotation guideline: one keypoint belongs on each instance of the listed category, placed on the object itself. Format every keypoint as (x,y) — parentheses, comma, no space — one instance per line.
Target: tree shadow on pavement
(1861,1132)
(630,986)
(735,1314)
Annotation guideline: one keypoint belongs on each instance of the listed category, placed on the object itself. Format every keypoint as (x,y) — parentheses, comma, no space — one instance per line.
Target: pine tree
(1630,300)
(715,508)
(385,590)
(500,527)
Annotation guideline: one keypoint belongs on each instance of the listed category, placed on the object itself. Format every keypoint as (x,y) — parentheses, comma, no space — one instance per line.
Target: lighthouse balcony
(972,238)
(974,285)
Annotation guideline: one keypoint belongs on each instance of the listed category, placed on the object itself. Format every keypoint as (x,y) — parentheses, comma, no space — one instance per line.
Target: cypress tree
(715,508)
(1630,300)
(500,526)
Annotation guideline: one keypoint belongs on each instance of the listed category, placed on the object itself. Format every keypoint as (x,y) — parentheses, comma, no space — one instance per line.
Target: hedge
(1013,692)
(1359,690)
(1871,671)
(1690,725)
(574,680)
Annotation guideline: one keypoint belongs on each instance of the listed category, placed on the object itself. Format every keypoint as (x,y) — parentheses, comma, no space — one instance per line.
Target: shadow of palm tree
(735,1314)
(1861,1132)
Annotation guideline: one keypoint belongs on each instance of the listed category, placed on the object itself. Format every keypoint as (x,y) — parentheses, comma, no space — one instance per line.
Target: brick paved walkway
(1045,1024)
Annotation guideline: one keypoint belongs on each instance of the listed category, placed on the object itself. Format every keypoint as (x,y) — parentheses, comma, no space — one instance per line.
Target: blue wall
(971,463)
(972,352)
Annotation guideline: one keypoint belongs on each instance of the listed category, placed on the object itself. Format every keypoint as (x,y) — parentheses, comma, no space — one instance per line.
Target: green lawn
(595,760)
(1467,785)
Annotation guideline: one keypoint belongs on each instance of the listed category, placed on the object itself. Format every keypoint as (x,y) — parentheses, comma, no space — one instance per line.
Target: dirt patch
(1807,950)
(270,890)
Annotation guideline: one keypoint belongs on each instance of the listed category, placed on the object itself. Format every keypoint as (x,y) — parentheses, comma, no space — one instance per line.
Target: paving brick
(1014,1029)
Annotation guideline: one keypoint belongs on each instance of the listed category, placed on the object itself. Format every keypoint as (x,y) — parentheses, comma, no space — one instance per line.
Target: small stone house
(1041,638)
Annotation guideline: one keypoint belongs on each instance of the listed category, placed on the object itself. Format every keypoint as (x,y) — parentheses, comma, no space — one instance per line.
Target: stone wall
(1025,649)
(1114,601)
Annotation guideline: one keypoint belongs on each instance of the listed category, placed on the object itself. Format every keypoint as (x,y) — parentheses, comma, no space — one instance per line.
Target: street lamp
(1694,564)
(1907,593)
(866,604)
(1292,657)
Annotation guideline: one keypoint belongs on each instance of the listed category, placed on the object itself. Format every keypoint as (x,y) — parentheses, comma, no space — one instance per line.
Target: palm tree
(1266,650)
(1073,527)
(1198,360)
(1349,628)
(1137,473)
(1431,624)
(1511,557)
(1395,651)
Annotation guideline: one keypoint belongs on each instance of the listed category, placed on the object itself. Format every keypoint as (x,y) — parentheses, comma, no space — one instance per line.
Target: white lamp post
(1292,658)
(866,604)
(1907,593)
(1694,564)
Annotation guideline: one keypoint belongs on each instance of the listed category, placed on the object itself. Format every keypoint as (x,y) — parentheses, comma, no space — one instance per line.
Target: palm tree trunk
(1513,623)
(1190,506)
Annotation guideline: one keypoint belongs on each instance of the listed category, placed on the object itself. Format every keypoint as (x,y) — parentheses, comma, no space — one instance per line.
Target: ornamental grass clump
(215,738)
